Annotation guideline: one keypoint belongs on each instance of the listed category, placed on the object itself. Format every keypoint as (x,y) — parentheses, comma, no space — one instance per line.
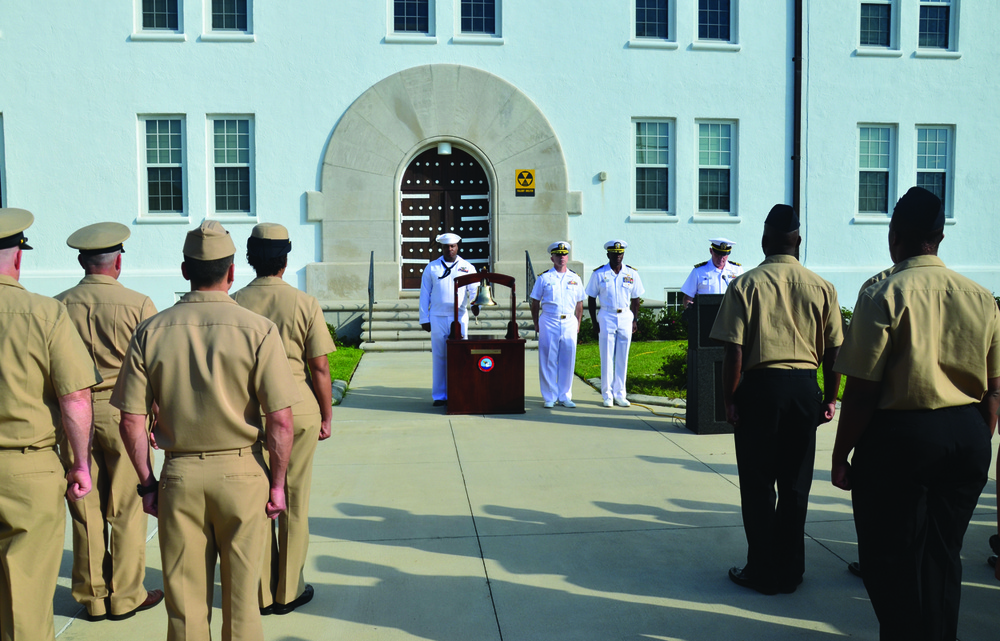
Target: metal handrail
(371,293)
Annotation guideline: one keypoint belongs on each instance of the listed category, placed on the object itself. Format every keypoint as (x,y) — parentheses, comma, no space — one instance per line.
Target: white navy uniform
(558,295)
(437,307)
(615,293)
(705,278)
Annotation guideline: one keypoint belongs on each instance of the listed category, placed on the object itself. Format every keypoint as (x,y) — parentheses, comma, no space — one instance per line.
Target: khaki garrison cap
(210,241)
(99,238)
(268,240)
(12,223)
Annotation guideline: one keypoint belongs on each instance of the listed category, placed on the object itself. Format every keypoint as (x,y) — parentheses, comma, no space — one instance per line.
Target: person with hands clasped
(556,303)
(213,368)
(618,287)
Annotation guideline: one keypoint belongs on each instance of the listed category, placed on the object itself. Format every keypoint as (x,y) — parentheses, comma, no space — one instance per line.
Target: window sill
(939,54)
(162,219)
(878,53)
(871,219)
(706,45)
(724,218)
(651,218)
(233,218)
(217,36)
(153,36)
(410,39)
(469,39)
(652,43)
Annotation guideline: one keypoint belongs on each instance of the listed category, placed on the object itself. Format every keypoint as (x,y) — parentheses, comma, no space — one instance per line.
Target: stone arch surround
(395,120)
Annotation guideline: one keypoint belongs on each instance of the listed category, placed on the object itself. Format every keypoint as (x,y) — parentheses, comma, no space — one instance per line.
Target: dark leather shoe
(854,567)
(267,611)
(740,578)
(440,402)
(995,544)
(153,598)
(992,561)
(285,608)
(94,618)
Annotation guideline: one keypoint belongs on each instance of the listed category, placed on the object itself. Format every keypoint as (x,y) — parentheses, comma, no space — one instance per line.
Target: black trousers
(917,476)
(779,410)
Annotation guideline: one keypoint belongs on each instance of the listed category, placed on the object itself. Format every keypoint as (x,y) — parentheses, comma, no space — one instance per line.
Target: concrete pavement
(585,524)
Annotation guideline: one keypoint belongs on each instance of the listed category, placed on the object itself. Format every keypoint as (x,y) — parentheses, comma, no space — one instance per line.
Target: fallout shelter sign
(525,183)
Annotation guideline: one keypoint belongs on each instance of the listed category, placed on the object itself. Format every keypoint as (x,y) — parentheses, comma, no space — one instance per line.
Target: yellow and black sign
(525,179)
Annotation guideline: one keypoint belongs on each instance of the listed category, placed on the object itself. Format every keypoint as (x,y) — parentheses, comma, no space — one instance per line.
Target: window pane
(651,188)
(875,25)
(714,144)
(713,190)
(166,192)
(232,189)
(874,149)
(932,149)
(713,19)
(873,192)
(652,143)
(159,14)
(932,182)
(934,27)
(479,16)
(651,19)
(410,16)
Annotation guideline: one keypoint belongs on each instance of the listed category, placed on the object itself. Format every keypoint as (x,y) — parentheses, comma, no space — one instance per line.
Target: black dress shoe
(440,402)
(94,618)
(285,608)
(740,578)
(855,568)
(992,561)
(995,544)
(153,598)
(269,610)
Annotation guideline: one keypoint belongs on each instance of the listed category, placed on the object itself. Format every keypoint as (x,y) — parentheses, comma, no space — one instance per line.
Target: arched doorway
(439,194)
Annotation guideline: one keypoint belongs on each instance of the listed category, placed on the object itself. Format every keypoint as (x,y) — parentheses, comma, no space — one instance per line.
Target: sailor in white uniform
(437,307)
(618,287)
(556,309)
(712,276)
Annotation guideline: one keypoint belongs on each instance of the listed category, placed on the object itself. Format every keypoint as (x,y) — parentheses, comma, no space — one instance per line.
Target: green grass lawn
(645,362)
(343,362)
(645,373)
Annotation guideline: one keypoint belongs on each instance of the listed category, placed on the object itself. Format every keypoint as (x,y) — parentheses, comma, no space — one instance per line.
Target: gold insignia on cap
(99,238)
(210,241)
(270,231)
(13,222)
(559,248)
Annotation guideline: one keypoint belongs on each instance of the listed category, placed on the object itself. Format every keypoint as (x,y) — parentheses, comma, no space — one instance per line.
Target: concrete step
(416,346)
(414,314)
(404,325)
(419,335)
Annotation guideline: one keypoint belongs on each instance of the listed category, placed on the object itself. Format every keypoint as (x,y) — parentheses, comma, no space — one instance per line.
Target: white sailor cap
(616,246)
(722,245)
(560,247)
(449,239)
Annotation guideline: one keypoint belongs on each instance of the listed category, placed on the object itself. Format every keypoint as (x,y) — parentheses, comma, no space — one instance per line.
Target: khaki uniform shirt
(783,315)
(213,367)
(930,335)
(106,314)
(300,322)
(42,359)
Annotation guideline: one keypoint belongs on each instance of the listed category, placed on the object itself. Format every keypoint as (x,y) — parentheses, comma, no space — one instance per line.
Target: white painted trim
(651,43)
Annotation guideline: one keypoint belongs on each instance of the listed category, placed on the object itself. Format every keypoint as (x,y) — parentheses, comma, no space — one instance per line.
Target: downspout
(797,113)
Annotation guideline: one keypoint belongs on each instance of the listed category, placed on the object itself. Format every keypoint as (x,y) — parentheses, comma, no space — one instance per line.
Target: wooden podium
(486,376)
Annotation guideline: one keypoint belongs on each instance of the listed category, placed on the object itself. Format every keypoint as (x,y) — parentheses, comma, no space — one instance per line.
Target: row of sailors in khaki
(108,574)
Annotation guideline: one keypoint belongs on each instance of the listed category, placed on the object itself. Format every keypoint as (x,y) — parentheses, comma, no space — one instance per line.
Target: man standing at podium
(712,276)
(556,310)
(437,307)
(619,287)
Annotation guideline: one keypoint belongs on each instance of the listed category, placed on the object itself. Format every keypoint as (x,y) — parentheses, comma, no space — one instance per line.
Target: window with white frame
(651,19)
(232,146)
(231,16)
(673,300)
(714,20)
(876,24)
(411,16)
(478,17)
(652,166)
(934,161)
(164,146)
(875,162)
(715,163)
(935,24)
(161,15)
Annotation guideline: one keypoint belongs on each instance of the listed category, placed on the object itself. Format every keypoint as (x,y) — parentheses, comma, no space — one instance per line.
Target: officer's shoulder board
(546,271)
(733,262)
(632,268)
(702,264)
(598,267)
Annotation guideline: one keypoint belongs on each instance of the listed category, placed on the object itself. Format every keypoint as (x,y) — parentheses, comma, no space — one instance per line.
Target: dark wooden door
(443,194)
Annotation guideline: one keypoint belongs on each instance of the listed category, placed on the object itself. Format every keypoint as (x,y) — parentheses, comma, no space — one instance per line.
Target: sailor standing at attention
(437,307)
(556,310)
(712,276)
(618,287)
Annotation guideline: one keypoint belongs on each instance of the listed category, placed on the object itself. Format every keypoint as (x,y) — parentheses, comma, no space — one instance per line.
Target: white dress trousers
(615,293)
(437,307)
(558,295)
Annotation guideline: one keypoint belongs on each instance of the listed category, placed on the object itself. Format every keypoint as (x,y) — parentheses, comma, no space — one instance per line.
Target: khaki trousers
(281,578)
(32,525)
(109,526)
(212,506)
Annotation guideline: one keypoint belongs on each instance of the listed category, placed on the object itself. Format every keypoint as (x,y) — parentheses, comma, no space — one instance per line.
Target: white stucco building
(660,122)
